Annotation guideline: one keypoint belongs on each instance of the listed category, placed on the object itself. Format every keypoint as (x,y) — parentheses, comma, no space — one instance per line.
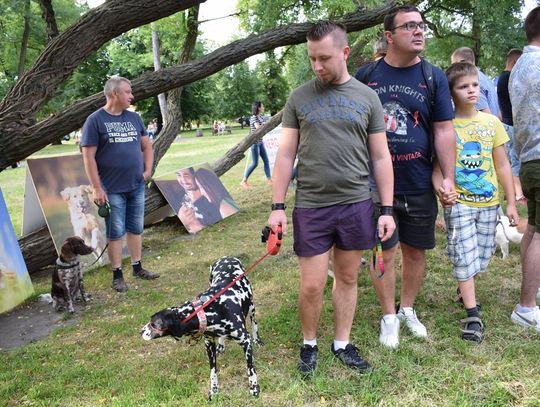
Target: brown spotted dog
(223,318)
(67,278)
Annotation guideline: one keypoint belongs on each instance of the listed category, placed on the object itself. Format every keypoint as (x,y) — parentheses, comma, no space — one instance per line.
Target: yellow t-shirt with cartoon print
(476,179)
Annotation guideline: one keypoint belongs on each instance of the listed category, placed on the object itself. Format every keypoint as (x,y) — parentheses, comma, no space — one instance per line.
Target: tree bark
(20,136)
(47,12)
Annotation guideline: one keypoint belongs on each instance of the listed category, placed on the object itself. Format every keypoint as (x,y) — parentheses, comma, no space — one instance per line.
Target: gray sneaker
(119,285)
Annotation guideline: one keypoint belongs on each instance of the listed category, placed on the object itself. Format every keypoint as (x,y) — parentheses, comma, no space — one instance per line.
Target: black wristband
(386,210)
(278,207)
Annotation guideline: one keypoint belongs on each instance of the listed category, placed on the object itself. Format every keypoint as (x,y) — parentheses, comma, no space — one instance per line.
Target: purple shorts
(348,227)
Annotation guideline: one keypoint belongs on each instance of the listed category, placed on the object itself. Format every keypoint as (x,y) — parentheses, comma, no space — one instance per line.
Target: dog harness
(203,323)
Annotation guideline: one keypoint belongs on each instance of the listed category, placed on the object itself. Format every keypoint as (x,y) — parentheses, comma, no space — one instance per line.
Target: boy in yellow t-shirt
(481,162)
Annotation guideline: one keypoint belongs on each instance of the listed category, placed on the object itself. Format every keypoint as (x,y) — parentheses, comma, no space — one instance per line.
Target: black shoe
(119,285)
(308,359)
(145,274)
(350,357)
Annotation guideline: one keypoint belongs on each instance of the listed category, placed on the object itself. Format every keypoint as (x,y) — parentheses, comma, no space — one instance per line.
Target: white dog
(83,219)
(505,234)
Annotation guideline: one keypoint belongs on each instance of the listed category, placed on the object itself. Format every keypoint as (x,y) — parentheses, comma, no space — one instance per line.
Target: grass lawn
(102,360)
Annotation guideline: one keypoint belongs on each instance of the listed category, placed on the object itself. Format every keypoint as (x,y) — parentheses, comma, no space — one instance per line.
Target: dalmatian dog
(67,277)
(225,317)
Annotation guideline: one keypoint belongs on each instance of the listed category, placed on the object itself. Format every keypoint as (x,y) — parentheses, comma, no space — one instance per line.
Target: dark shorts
(348,227)
(415,217)
(529,175)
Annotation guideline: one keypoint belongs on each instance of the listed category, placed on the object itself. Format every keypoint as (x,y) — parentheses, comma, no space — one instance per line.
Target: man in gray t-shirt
(336,126)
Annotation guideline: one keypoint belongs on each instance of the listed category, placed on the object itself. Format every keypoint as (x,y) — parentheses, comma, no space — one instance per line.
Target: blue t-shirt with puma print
(119,156)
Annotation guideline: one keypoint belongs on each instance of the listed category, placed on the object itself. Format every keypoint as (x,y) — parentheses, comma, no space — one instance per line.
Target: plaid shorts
(471,238)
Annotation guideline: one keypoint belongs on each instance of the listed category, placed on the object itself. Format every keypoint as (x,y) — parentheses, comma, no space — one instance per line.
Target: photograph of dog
(82,215)
(223,318)
(67,277)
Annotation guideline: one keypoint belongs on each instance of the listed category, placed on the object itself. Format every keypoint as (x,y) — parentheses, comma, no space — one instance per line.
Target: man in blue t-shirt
(118,159)
(411,117)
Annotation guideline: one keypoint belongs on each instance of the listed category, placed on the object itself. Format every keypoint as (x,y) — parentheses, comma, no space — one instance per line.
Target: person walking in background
(505,105)
(336,125)
(118,157)
(257,149)
(481,165)
(525,98)
(418,111)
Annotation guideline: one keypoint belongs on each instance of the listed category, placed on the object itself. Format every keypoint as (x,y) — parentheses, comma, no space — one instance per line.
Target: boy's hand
(512,214)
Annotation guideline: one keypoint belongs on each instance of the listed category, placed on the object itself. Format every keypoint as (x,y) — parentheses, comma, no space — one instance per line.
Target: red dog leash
(273,244)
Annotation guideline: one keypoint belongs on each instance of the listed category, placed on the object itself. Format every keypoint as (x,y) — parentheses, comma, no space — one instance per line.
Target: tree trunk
(24,40)
(157,66)
(20,136)
(47,13)
(174,109)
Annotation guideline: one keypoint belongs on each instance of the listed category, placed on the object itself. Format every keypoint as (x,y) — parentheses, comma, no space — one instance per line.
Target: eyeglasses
(411,26)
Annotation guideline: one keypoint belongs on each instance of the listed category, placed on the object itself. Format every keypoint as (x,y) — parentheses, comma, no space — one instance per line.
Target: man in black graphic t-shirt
(411,117)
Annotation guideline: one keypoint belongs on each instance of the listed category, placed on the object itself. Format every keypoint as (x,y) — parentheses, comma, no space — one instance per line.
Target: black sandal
(468,334)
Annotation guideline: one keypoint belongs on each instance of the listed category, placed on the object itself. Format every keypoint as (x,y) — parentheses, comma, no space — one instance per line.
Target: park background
(101,359)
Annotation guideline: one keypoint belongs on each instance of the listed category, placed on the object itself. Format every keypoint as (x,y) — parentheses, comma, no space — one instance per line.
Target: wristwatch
(278,206)
(386,210)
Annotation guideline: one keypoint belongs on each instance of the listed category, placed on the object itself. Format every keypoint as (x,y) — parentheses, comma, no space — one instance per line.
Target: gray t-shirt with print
(334,122)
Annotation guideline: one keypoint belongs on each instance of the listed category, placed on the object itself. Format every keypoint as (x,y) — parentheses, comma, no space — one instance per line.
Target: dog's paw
(220,348)
(255,390)
(259,342)
(87,297)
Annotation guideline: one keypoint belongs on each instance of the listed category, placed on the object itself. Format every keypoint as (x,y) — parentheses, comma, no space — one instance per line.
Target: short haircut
(255,106)
(464,54)
(459,70)
(326,27)
(513,55)
(389,18)
(532,25)
(191,170)
(113,84)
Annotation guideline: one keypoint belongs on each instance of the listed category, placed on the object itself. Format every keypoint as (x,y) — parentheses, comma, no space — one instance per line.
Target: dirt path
(29,323)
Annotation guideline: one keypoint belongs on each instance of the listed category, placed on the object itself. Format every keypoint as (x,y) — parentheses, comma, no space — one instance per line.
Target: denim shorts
(415,221)
(529,176)
(471,238)
(127,213)
(348,227)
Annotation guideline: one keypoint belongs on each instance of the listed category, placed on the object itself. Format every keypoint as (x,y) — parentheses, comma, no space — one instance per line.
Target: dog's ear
(66,251)
(65,193)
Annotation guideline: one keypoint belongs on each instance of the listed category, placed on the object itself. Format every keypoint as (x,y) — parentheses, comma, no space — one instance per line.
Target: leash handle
(272,239)
(377,256)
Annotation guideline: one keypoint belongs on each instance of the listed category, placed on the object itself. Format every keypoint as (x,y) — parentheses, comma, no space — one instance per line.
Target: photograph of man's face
(197,196)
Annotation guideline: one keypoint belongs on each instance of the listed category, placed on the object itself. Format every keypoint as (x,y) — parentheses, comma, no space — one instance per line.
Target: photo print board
(15,283)
(65,197)
(197,197)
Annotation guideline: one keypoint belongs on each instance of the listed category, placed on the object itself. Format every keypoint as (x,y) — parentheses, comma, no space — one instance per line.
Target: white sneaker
(408,317)
(527,319)
(389,331)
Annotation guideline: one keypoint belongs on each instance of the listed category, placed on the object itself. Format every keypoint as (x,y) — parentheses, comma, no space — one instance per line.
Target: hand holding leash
(272,239)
